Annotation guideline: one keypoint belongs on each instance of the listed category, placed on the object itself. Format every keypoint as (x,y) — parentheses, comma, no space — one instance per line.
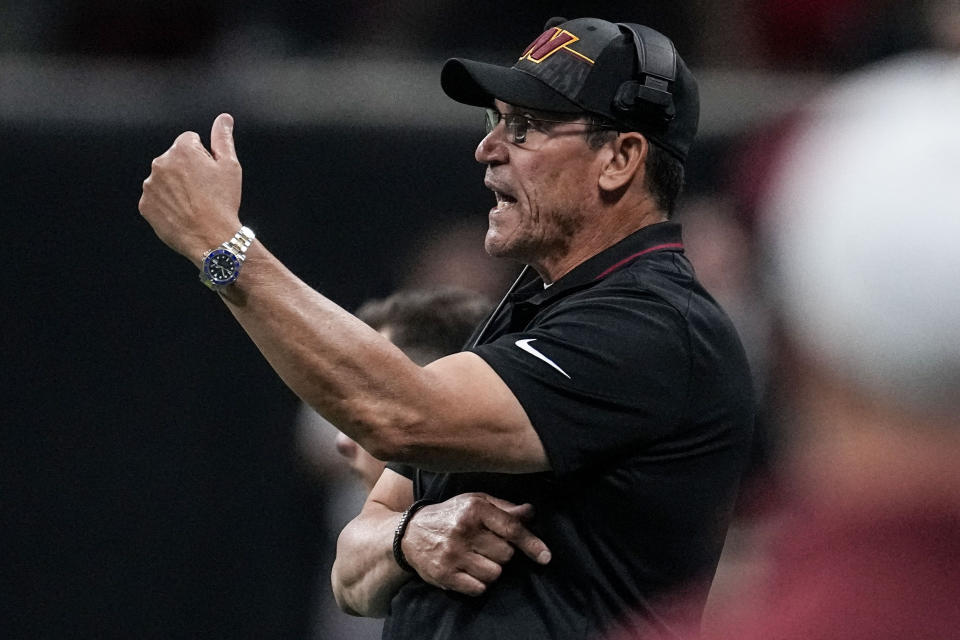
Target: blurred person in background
(862,224)
(426,324)
(609,377)
(452,255)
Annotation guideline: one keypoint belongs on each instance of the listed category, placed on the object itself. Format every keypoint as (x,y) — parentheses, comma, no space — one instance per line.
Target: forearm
(365,575)
(337,364)
(460,544)
(454,414)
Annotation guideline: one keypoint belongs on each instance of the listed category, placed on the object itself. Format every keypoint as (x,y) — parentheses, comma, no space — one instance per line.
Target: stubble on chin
(554,240)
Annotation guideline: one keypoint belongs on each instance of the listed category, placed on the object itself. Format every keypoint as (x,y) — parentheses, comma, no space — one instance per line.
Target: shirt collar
(662,236)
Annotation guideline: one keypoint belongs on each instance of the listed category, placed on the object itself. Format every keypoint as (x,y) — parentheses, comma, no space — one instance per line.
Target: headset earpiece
(649,98)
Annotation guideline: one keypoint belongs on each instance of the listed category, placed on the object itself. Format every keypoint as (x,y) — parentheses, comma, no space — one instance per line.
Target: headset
(496,312)
(650,97)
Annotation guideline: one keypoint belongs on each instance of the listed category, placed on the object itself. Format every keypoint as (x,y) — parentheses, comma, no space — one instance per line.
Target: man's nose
(493,148)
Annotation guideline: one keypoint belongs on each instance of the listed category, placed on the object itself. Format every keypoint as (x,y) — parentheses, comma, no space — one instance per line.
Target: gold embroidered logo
(549,42)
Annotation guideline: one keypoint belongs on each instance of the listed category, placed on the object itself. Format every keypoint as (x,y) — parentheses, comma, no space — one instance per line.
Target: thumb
(221,138)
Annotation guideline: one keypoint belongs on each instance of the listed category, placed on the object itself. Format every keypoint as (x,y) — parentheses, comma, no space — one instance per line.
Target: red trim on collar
(659,247)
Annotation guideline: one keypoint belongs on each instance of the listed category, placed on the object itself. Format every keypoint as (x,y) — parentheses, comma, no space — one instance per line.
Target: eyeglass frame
(518,135)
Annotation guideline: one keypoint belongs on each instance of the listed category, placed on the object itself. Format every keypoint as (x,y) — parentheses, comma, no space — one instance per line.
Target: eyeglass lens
(515,124)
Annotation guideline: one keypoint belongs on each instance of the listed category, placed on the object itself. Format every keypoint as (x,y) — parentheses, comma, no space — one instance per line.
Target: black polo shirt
(639,389)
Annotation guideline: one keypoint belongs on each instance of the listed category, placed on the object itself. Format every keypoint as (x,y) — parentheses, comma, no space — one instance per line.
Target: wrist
(401,529)
(220,266)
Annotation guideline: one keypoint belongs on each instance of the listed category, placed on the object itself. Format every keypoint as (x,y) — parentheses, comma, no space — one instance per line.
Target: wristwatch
(221,266)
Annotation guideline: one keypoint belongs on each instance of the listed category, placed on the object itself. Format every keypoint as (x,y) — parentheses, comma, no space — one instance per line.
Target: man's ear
(626,163)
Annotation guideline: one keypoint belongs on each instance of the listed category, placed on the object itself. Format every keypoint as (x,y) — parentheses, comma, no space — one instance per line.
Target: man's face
(545,188)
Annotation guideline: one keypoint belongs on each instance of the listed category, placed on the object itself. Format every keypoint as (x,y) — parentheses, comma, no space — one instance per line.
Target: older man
(599,421)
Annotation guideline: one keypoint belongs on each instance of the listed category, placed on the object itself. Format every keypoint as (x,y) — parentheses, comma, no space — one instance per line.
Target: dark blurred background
(152,485)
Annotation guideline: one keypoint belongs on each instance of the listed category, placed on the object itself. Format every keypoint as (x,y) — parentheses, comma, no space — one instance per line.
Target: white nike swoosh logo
(525,345)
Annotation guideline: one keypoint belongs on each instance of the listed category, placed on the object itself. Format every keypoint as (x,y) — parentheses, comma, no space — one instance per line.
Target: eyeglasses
(530,132)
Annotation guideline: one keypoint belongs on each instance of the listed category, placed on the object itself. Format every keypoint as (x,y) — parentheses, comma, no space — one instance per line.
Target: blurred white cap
(863,225)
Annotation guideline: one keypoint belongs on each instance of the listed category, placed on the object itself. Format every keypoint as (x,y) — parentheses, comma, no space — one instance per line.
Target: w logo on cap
(549,42)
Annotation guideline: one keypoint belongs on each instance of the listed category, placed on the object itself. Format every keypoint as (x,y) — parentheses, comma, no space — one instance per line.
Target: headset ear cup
(625,100)
(658,103)
(650,98)
(645,103)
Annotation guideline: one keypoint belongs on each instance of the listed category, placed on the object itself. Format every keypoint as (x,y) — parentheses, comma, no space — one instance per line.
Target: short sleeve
(602,375)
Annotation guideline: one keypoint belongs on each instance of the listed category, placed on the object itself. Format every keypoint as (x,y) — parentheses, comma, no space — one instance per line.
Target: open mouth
(503,199)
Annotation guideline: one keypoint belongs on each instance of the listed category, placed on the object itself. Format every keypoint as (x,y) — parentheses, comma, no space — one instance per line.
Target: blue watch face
(221,266)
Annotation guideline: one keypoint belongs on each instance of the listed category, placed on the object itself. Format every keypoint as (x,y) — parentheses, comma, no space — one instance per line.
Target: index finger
(523,511)
(511,529)
(188,140)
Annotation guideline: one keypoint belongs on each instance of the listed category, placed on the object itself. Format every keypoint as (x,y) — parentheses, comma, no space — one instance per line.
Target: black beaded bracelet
(402,528)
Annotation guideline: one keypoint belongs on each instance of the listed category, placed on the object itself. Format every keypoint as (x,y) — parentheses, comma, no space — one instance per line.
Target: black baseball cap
(591,65)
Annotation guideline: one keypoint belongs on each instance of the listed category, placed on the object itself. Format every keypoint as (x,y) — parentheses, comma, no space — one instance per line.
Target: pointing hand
(462,544)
